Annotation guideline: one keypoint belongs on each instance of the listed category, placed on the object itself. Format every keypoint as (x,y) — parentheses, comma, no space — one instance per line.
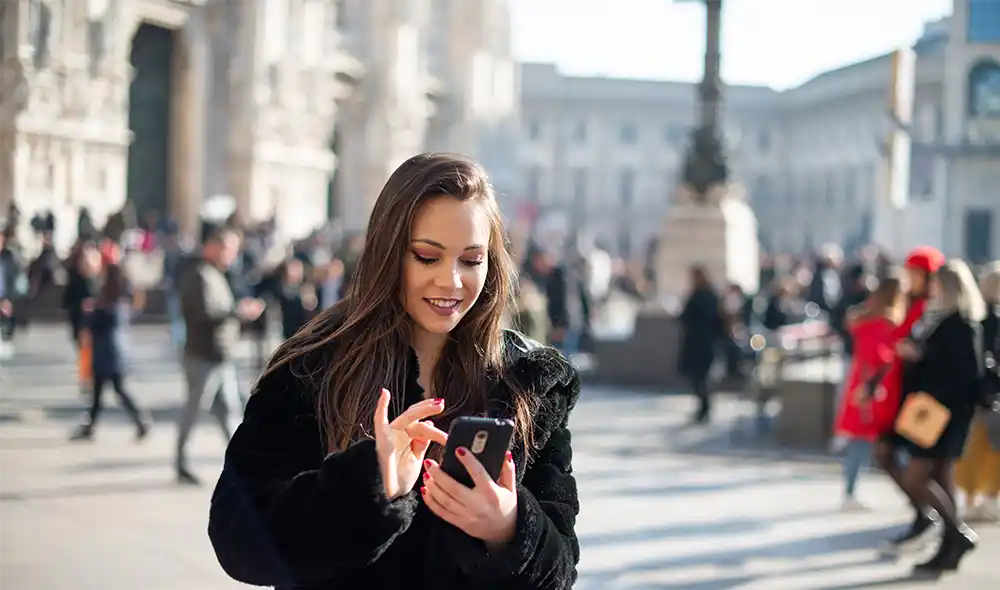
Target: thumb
(508,479)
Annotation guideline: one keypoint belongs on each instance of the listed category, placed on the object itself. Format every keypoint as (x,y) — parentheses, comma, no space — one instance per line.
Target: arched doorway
(148,178)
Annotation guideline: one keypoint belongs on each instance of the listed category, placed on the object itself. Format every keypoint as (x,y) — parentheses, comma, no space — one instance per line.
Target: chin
(437,325)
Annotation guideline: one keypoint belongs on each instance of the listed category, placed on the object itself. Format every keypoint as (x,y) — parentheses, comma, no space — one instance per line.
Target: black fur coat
(287,514)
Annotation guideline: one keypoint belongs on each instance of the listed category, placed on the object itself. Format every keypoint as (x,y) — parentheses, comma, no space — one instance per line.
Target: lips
(443,306)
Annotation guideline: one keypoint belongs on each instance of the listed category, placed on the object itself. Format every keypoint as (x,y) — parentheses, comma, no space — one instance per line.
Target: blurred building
(438,76)
(608,151)
(164,102)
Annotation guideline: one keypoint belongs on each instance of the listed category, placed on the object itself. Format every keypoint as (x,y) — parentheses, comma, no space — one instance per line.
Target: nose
(450,277)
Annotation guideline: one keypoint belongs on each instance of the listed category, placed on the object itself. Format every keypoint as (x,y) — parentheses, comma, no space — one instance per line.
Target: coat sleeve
(283,513)
(544,552)
(955,368)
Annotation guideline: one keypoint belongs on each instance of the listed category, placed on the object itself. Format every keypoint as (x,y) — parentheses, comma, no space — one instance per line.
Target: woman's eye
(475,262)
(424,259)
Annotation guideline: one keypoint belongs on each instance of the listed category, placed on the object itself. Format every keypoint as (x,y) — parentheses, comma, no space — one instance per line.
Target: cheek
(475,279)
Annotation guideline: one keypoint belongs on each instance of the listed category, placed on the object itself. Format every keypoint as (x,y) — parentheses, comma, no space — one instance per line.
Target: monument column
(709,223)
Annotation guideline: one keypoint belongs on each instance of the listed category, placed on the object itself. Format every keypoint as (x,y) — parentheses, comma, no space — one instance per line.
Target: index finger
(418,411)
(382,408)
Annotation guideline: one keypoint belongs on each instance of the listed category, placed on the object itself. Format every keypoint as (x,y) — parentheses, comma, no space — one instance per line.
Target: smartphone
(489,440)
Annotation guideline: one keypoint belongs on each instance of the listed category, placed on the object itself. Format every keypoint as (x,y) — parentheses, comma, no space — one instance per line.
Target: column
(189,156)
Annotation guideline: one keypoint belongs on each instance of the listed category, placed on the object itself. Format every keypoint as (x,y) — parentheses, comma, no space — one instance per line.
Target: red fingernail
(423,489)
(510,457)
(427,476)
(439,400)
(427,463)
(460,451)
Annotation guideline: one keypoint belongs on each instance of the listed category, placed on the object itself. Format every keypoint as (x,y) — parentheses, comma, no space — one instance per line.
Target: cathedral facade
(299,109)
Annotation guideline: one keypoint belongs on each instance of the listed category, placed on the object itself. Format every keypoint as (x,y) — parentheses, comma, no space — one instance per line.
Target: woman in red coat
(921,265)
(872,390)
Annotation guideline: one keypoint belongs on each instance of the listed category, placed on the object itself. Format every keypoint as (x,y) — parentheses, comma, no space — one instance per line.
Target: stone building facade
(812,157)
(165,102)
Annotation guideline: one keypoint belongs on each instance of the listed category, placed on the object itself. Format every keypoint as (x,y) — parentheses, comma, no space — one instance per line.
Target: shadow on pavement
(97,489)
(735,558)
(674,489)
(735,526)
(720,442)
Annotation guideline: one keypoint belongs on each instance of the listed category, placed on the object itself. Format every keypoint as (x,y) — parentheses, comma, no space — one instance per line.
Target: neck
(428,349)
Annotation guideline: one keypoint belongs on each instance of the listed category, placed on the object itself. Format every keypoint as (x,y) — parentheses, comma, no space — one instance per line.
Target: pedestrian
(871,392)
(319,485)
(942,366)
(212,316)
(105,320)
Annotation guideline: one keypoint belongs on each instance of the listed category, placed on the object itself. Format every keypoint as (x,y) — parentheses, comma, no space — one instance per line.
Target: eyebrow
(441,246)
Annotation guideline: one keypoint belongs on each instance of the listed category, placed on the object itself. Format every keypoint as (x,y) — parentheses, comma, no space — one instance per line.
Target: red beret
(925,258)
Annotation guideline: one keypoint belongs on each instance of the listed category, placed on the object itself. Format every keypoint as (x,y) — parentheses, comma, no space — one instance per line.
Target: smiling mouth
(444,303)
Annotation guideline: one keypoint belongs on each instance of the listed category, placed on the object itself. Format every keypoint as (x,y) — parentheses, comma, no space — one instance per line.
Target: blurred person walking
(942,361)
(871,394)
(703,327)
(977,474)
(212,316)
(920,266)
(105,320)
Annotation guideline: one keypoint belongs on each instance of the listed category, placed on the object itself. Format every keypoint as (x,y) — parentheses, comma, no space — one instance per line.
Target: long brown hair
(366,337)
(886,301)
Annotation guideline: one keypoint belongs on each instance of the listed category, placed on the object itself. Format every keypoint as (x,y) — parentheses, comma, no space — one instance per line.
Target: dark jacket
(107,334)
(209,310)
(704,327)
(287,513)
(950,370)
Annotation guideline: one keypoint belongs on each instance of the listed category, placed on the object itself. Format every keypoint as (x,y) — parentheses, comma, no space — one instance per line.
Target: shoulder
(541,365)
(546,373)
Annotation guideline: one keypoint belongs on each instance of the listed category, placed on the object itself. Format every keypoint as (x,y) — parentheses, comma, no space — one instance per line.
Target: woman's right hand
(402,443)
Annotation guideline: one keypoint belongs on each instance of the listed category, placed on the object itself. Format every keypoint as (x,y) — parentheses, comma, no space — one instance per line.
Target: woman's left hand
(487,511)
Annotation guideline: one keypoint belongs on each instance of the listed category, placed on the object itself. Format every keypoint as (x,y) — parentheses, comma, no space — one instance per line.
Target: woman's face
(445,270)
(915,280)
(90,261)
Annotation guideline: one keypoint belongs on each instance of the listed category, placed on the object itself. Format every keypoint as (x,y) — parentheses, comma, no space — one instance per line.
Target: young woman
(105,320)
(921,265)
(319,487)
(944,360)
(872,390)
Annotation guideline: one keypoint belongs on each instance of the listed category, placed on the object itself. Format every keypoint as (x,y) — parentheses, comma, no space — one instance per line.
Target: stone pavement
(664,506)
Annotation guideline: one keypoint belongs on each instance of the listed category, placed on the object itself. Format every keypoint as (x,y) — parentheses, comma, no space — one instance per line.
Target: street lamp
(705,164)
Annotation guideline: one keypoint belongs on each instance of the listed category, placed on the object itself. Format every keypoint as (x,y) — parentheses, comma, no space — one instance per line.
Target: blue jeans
(857,454)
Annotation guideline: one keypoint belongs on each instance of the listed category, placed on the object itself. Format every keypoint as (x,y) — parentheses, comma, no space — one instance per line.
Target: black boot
(957,541)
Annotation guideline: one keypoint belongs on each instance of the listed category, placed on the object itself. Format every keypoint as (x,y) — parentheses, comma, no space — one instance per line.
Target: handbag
(922,419)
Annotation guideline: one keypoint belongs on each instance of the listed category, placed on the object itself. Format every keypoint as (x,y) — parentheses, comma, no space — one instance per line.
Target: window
(579,186)
(40,18)
(984,88)
(628,133)
(580,132)
(534,130)
(978,235)
(984,21)
(626,187)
